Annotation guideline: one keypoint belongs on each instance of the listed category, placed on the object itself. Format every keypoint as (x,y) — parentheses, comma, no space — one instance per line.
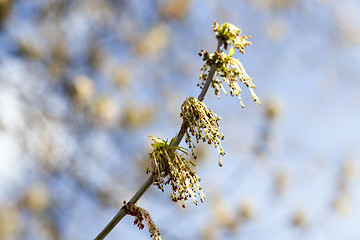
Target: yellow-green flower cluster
(229,34)
(202,124)
(169,167)
(141,214)
(228,69)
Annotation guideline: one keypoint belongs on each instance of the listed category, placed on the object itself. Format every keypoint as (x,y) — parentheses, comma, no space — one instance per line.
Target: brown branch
(122,212)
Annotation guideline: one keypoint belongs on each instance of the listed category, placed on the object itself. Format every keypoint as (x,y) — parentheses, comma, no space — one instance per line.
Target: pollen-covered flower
(203,124)
(141,214)
(169,167)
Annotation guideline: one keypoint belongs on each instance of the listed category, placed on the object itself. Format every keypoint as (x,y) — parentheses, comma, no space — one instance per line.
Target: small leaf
(232,51)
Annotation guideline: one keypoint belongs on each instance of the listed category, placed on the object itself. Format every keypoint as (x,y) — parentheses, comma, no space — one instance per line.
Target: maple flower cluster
(141,214)
(203,124)
(170,167)
(229,34)
(228,68)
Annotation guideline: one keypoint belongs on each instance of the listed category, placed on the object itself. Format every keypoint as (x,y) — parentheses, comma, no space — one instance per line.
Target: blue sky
(304,61)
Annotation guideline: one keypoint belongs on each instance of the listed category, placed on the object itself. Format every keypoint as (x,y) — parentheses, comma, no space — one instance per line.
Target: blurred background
(82,84)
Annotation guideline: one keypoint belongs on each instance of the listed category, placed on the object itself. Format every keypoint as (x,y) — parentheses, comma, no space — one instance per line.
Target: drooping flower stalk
(203,124)
(141,215)
(170,167)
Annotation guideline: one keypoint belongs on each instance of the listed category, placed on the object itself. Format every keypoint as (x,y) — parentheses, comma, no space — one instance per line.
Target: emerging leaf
(232,51)
(230,35)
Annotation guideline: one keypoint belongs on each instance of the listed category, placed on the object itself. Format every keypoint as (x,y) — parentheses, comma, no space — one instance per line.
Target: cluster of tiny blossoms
(141,214)
(170,167)
(228,68)
(229,34)
(202,124)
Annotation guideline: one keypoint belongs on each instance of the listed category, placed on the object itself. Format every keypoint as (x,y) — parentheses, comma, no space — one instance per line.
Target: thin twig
(122,212)
(210,76)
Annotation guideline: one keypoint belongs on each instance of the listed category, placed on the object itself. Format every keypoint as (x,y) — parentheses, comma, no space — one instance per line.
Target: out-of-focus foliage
(82,83)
